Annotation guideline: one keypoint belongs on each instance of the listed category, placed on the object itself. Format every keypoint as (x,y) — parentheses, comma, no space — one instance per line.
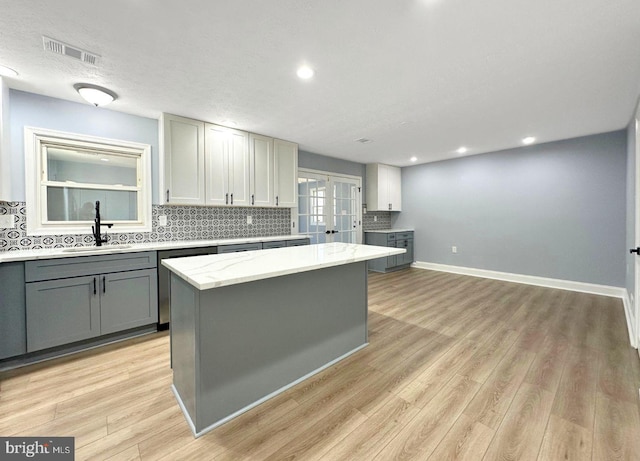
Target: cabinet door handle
(94,286)
(167,195)
(389,207)
(104,284)
(231,199)
(226,198)
(276,200)
(253,199)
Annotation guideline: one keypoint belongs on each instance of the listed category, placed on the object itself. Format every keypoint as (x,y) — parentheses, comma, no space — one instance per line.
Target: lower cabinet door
(62,311)
(128,300)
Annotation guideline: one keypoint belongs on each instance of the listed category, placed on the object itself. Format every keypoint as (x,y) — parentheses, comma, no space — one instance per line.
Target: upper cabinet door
(384,188)
(226,166)
(261,170)
(217,165)
(238,162)
(183,146)
(286,173)
(394,187)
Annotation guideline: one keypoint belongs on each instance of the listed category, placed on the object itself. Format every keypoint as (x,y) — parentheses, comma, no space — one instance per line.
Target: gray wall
(28,109)
(552,210)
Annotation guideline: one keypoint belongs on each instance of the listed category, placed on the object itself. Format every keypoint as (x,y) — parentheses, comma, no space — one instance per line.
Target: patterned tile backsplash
(183,223)
(383,222)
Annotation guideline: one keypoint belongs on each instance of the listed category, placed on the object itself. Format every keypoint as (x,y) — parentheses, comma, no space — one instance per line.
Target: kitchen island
(247,326)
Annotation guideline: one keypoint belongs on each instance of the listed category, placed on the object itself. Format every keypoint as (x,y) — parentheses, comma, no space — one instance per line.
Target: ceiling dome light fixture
(305,72)
(414,159)
(96,95)
(461,150)
(528,140)
(7,72)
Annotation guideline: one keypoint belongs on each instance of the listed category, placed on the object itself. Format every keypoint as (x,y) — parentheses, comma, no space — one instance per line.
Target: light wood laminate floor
(457,368)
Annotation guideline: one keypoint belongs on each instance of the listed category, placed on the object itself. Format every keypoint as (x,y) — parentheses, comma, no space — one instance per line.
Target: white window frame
(35,141)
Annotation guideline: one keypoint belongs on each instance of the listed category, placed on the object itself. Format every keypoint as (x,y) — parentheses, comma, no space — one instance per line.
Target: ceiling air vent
(363,140)
(56,46)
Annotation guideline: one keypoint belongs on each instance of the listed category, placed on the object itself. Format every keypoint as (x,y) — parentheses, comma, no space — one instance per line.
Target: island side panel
(258,337)
(184,307)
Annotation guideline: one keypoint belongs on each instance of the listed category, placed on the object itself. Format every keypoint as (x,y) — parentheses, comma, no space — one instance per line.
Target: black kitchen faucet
(96,229)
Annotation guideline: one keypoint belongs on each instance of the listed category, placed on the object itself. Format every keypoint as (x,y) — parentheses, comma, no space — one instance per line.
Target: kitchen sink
(103,248)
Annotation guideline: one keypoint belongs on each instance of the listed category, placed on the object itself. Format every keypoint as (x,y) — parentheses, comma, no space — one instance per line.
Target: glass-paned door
(329,207)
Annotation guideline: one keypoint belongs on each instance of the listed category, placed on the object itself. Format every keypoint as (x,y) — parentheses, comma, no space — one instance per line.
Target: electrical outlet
(7,221)
(162,220)
(454,249)
(249,219)
(375,218)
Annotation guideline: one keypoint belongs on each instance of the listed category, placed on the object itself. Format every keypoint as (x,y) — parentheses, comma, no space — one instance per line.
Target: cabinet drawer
(52,269)
(297,242)
(404,235)
(239,247)
(278,244)
(391,237)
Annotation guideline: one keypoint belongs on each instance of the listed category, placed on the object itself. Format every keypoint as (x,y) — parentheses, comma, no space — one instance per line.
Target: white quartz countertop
(213,271)
(51,253)
(388,231)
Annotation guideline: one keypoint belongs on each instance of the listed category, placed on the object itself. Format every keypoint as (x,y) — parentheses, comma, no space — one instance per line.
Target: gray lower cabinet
(391,239)
(92,302)
(62,311)
(128,300)
(13,328)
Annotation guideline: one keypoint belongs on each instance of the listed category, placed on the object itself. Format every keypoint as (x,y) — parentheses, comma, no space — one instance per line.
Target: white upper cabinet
(286,173)
(226,166)
(183,147)
(261,164)
(384,188)
(207,164)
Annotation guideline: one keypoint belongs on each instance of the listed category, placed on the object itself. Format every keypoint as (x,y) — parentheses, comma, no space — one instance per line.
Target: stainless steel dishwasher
(164,279)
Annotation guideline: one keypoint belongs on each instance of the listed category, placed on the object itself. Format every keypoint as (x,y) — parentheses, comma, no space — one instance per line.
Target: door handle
(328,232)
(94,286)
(635,250)
(276,200)
(253,199)
(231,199)
(226,198)
(104,284)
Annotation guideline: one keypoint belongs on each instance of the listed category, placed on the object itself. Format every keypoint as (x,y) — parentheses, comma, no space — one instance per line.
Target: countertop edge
(275,272)
(55,253)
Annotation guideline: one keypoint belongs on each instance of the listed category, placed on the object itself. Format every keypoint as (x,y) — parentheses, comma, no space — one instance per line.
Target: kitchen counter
(51,253)
(389,231)
(212,271)
(246,327)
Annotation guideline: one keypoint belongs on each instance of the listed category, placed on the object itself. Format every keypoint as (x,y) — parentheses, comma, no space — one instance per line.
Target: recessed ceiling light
(229,123)
(96,95)
(104,159)
(8,72)
(461,150)
(414,158)
(305,72)
(528,140)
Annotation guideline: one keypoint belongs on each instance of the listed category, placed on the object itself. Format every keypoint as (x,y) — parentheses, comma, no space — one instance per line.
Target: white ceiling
(418,77)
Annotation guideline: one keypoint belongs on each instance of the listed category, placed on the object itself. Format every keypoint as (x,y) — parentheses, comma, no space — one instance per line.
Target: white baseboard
(592,288)
(628,313)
